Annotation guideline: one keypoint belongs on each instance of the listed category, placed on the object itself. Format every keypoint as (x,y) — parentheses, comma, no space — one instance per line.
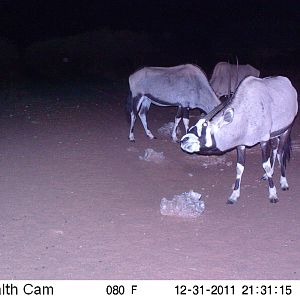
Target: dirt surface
(77,202)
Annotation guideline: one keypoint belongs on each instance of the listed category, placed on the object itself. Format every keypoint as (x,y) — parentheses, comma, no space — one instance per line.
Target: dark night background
(79,200)
(112,38)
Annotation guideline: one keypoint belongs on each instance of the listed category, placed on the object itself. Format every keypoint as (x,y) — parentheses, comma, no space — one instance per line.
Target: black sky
(255,31)
(266,21)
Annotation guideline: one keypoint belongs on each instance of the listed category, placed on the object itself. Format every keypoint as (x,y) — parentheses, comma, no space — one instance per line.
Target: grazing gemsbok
(261,111)
(226,77)
(184,86)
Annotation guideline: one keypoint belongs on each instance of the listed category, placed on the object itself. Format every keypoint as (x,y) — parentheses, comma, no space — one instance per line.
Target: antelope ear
(228,115)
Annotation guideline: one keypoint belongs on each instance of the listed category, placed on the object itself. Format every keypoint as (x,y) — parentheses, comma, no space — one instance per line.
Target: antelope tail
(287,149)
(129,105)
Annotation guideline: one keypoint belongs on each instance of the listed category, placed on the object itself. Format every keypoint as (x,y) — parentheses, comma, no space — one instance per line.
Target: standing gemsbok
(261,111)
(184,86)
(226,77)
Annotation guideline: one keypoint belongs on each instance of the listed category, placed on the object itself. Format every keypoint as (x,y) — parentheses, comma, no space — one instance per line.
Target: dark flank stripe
(160,101)
(280,131)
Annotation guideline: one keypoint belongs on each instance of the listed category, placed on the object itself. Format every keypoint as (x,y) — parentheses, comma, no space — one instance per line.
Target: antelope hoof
(153,138)
(283,184)
(131,137)
(264,177)
(230,201)
(233,197)
(274,200)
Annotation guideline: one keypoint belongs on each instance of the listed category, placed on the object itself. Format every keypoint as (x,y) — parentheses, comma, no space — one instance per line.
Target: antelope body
(261,111)
(184,86)
(226,77)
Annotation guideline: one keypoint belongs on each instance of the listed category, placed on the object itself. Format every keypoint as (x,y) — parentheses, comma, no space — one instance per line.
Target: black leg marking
(179,113)
(178,117)
(186,118)
(185,113)
(283,154)
(143,110)
(133,115)
(266,154)
(240,166)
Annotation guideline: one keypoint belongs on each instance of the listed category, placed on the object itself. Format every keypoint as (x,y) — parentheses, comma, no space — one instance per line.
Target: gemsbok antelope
(184,86)
(261,111)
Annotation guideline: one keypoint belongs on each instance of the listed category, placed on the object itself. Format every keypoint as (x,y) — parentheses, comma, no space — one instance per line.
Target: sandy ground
(77,202)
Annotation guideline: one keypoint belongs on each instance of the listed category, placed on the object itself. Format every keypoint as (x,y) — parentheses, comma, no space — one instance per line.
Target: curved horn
(229,80)
(237,72)
(217,109)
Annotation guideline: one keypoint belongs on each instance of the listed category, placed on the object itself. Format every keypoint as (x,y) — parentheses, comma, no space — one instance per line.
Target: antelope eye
(205,124)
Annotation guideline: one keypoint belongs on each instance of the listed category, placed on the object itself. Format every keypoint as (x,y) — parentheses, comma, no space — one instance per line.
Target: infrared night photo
(149,140)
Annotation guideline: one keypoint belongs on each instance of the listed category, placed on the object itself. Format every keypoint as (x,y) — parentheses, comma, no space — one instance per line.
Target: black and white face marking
(201,137)
(198,138)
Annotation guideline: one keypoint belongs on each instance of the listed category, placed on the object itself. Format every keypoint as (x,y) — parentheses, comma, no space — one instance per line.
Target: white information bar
(150,289)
